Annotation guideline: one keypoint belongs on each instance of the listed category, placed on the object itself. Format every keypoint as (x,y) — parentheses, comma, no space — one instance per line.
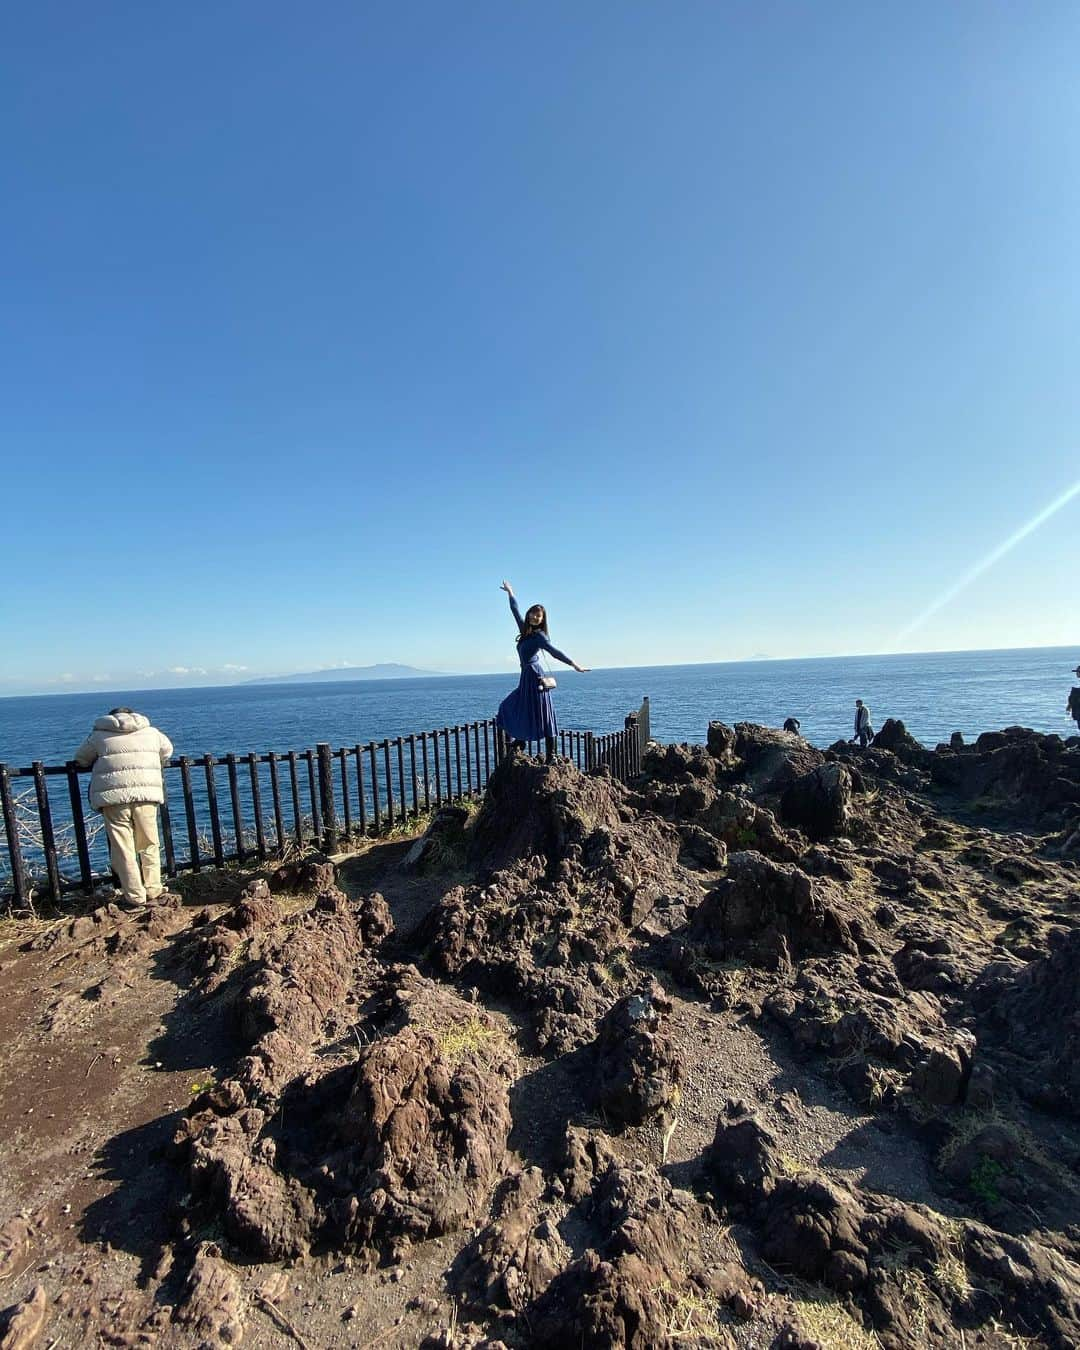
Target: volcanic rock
(1033,1012)
(638,1066)
(848,1239)
(25,1321)
(211,1309)
(820,801)
(767,913)
(441,844)
(545,931)
(769,760)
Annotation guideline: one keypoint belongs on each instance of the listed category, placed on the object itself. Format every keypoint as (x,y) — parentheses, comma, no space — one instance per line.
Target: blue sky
(721,329)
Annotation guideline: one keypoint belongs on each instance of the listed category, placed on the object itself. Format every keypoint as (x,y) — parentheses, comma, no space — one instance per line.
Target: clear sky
(723,329)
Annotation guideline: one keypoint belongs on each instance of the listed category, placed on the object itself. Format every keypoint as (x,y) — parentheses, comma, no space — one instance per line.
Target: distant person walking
(864,732)
(792,724)
(127,753)
(1072,706)
(528,714)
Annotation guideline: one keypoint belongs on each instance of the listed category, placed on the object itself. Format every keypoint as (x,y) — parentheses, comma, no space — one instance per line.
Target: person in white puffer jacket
(127,754)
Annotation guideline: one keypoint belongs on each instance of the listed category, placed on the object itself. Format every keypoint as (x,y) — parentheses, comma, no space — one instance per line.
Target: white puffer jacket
(127,754)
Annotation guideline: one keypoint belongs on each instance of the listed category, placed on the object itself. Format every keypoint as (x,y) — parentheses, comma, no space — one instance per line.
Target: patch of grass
(291,905)
(1005,1335)
(983,1181)
(966,1126)
(692,1316)
(455,1042)
(237,956)
(826,1320)
(951,1274)
(950,1271)
(915,1291)
(791,1166)
(986,1173)
(615,970)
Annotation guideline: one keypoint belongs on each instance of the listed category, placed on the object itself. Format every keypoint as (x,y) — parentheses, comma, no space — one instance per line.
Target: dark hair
(115,712)
(527,629)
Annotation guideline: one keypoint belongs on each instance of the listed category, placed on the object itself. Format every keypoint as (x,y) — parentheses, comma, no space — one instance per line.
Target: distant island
(388,670)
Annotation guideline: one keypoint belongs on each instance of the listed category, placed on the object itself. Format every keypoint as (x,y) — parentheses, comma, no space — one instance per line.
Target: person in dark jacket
(528,714)
(792,724)
(1072,705)
(864,732)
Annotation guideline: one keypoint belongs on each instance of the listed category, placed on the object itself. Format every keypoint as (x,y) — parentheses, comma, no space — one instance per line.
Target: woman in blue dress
(528,714)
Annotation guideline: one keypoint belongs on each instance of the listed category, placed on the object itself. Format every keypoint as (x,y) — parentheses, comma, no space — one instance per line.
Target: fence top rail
(207,758)
(199,761)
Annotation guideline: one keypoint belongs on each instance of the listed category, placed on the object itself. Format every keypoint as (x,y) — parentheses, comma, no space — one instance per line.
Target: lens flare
(984,565)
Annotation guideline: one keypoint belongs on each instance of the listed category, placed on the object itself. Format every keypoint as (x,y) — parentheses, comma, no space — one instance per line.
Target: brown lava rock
(638,1068)
(544,932)
(768,913)
(1033,1012)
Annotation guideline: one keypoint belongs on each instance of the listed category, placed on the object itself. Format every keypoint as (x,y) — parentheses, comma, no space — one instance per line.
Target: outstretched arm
(561,656)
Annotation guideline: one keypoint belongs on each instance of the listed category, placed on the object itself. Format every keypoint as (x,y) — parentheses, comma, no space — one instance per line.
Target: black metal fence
(255,807)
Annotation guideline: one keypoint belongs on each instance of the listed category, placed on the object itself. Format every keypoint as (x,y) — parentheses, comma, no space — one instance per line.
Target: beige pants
(133,849)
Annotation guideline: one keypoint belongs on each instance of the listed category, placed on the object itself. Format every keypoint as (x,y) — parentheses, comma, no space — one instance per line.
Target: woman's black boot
(549,746)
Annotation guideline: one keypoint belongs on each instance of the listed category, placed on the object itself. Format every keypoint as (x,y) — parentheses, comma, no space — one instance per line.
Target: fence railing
(256,807)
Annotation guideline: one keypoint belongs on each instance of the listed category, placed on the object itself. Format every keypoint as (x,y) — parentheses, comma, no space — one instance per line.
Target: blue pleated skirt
(528,714)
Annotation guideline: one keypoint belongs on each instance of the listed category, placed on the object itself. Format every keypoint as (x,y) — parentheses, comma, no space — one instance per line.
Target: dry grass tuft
(455,1043)
(692,1316)
(826,1320)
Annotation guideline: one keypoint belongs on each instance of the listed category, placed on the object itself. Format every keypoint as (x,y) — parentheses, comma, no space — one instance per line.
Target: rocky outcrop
(878,1249)
(549,931)
(768,913)
(638,1068)
(820,801)
(1034,776)
(769,761)
(406,1142)
(211,1309)
(1032,1012)
(23,1325)
(753,913)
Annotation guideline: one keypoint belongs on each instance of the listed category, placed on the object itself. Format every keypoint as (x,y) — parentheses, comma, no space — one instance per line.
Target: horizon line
(485,674)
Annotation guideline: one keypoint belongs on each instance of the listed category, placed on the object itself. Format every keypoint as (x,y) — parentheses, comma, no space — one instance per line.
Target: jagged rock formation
(549,931)
(638,1069)
(1032,1013)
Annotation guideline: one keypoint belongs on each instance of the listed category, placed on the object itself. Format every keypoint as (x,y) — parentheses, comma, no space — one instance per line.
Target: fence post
(11,829)
(590,751)
(48,839)
(78,824)
(327,804)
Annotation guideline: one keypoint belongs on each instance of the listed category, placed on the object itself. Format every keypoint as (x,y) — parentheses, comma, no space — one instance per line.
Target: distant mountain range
(388,670)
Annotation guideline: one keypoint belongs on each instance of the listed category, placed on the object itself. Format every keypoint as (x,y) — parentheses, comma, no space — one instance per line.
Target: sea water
(934,693)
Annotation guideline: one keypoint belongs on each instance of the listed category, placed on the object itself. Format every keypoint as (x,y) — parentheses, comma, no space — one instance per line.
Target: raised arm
(514,606)
(516,613)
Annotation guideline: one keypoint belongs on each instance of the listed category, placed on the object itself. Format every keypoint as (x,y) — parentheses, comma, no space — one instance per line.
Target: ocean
(934,693)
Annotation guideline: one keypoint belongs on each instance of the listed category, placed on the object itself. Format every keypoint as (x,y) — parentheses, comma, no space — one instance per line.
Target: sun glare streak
(986,563)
